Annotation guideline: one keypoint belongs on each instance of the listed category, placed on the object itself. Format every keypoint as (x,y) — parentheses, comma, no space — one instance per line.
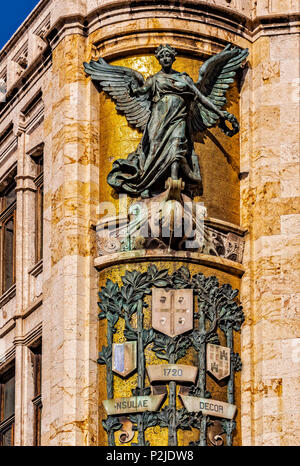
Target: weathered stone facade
(51,103)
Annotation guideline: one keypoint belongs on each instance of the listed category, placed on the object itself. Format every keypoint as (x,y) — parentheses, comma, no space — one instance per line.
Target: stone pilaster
(269,209)
(71,194)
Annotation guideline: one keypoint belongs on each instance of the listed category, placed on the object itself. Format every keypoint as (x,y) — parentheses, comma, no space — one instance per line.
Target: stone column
(25,259)
(19,286)
(28,395)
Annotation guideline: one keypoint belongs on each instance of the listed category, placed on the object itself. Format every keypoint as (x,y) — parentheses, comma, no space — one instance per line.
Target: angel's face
(166,59)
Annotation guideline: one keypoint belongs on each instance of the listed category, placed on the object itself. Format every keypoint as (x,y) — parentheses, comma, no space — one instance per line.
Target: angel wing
(215,77)
(117,81)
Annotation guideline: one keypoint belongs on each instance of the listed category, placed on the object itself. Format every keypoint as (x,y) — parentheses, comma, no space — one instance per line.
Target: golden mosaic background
(218,154)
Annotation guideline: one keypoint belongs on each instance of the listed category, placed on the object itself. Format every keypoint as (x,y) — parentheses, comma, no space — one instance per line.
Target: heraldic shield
(218,360)
(172,311)
(124,358)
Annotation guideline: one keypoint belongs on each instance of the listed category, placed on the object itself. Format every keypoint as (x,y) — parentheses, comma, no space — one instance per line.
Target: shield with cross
(172,311)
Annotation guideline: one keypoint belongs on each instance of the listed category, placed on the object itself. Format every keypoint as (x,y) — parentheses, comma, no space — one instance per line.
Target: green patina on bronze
(170,109)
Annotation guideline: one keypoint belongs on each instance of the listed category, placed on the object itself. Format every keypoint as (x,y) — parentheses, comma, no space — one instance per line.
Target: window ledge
(37,401)
(36,269)
(7,422)
(8,295)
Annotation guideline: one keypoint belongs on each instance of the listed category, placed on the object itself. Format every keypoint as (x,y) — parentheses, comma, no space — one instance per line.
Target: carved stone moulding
(142,255)
(190,17)
(221,239)
(109,235)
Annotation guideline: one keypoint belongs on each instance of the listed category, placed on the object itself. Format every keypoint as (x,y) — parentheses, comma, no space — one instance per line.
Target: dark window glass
(7,238)
(38,372)
(7,408)
(8,253)
(10,197)
(9,398)
(39,209)
(37,401)
(39,165)
(42,222)
(38,425)
(39,221)
(8,437)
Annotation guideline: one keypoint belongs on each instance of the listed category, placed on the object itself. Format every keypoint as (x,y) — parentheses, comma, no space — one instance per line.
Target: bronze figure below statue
(169,108)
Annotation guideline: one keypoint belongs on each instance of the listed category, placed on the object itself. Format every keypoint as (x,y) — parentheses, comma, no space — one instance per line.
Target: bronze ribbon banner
(208,406)
(134,404)
(168,372)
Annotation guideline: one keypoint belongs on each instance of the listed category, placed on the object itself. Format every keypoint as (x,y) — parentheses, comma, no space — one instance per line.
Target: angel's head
(165,54)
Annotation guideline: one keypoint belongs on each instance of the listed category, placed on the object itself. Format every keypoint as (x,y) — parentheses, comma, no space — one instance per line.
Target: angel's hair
(167,47)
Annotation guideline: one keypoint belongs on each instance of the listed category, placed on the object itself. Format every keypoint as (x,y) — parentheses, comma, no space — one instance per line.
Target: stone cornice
(37,150)
(117,12)
(32,335)
(30,76)
(114,12)
(8,176)
(37,269)
(275,23)
(3,216)
(23,28)
(65,26)
(8,295)
(7,423)
(9,148)
(8,356)
(142,255)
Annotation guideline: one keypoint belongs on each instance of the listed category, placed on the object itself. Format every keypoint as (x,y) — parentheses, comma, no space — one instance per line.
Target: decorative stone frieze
(113,236)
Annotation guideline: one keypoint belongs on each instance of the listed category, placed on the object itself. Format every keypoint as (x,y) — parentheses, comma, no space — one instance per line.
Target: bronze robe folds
(165,140)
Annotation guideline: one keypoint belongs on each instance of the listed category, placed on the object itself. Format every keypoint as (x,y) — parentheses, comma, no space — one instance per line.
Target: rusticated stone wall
(270,210)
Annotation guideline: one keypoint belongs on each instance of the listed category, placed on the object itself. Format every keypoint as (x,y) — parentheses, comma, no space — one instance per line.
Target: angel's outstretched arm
(215,76)
(204,100)
(208,103)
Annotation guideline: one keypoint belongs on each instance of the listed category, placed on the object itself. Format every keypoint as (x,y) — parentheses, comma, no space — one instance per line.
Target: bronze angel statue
(169,108)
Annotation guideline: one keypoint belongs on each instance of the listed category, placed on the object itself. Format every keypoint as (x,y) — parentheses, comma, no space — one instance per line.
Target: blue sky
(13,13)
